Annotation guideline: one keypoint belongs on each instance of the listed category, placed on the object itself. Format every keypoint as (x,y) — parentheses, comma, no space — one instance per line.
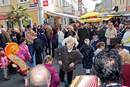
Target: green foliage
(17,14)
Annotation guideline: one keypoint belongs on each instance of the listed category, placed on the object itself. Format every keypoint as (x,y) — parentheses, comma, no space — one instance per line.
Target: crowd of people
(102,48)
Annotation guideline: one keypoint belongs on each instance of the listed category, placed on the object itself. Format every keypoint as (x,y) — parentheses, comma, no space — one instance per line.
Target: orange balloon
(11,48)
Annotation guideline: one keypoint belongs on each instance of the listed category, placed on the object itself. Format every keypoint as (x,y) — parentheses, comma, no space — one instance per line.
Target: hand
(60,62)
(71,65)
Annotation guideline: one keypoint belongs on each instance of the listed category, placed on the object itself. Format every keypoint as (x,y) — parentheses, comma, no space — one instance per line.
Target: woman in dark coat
(88,53)
(67,59)
(38,49)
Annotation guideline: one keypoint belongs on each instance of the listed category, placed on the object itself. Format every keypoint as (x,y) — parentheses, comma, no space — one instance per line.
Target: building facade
(128,5)
(105,6)
(50,11)
(5,8)
(122,5)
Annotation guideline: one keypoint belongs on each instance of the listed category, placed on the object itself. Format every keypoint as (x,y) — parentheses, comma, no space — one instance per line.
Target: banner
(45,3)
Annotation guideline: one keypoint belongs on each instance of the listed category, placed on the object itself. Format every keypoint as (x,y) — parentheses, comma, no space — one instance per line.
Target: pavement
(17,81)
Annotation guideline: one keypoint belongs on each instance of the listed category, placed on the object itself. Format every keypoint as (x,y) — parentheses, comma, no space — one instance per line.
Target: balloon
(11,48)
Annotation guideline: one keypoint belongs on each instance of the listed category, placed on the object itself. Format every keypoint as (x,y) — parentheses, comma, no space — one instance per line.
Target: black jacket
(88,54)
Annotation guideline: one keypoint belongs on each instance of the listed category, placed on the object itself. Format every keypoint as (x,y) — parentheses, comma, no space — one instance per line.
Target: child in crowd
(55,80)
(100,47)
(88,53)
(4,63)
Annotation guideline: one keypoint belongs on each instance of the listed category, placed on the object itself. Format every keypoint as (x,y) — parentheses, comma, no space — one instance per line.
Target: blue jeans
(31,50)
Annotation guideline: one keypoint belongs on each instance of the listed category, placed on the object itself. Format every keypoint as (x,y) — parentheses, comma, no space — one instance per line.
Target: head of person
(45,25)
(127,25)
(110,25)
(100,45)
(48,59)
(119,47)
(87,41)
(121,26)
(107,66)
(70,43)
(70,28)
(28,27)
(22,40)
(39,76)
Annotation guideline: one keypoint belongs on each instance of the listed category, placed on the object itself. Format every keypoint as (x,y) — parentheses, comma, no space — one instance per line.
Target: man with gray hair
(39,76)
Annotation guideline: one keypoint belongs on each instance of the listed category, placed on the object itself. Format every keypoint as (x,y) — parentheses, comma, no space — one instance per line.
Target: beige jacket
(109,34)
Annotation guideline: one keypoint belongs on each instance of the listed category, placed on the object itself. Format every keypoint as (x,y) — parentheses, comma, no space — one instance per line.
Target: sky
(90,4)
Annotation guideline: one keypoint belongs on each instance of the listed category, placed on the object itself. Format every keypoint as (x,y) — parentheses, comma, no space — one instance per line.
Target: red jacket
(55,80)
(126,75)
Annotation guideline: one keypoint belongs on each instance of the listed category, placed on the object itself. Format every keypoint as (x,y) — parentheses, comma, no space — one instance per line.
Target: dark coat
(3,40)
(41,35)
(38,48)
(83,34)
(88,54)
(67,58)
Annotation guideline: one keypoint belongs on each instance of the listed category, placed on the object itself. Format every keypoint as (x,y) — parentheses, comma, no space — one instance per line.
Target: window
(23,1)
(4,2)
(65,3)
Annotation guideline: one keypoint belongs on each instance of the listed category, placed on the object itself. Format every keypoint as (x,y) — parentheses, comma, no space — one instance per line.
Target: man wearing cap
(126,37)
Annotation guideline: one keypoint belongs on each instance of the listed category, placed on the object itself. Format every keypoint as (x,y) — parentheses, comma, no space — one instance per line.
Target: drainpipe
(40,12)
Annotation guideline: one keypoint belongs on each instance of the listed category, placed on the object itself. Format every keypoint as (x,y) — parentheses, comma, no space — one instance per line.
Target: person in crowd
(60,37)
(30,35)
(121,31)
(3,39)
(101,31)
(68,38)
(68,58)
(35,27)
(111,35)
(13,37)
(55,39)
(38,50)
(88,54)
(100,47)
(69,31)
(49,34)
(126,37)
(125,57)
(4,63)
(24,54)
(83,33)
(55,80)
(107,66)
(94,41)
(42,36)
(39,76)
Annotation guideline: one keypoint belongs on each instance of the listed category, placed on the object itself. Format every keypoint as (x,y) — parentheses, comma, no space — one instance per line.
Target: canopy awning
(90,15)
(96,19)
(62,14)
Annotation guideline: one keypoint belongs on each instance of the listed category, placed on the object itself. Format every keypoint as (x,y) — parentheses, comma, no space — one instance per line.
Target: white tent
(62,14)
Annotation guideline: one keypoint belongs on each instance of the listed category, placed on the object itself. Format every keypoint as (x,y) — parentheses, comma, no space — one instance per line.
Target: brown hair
(99,44)
(48,58)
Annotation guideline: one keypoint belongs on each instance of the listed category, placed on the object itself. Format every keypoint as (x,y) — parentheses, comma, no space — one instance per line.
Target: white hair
(40,76)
